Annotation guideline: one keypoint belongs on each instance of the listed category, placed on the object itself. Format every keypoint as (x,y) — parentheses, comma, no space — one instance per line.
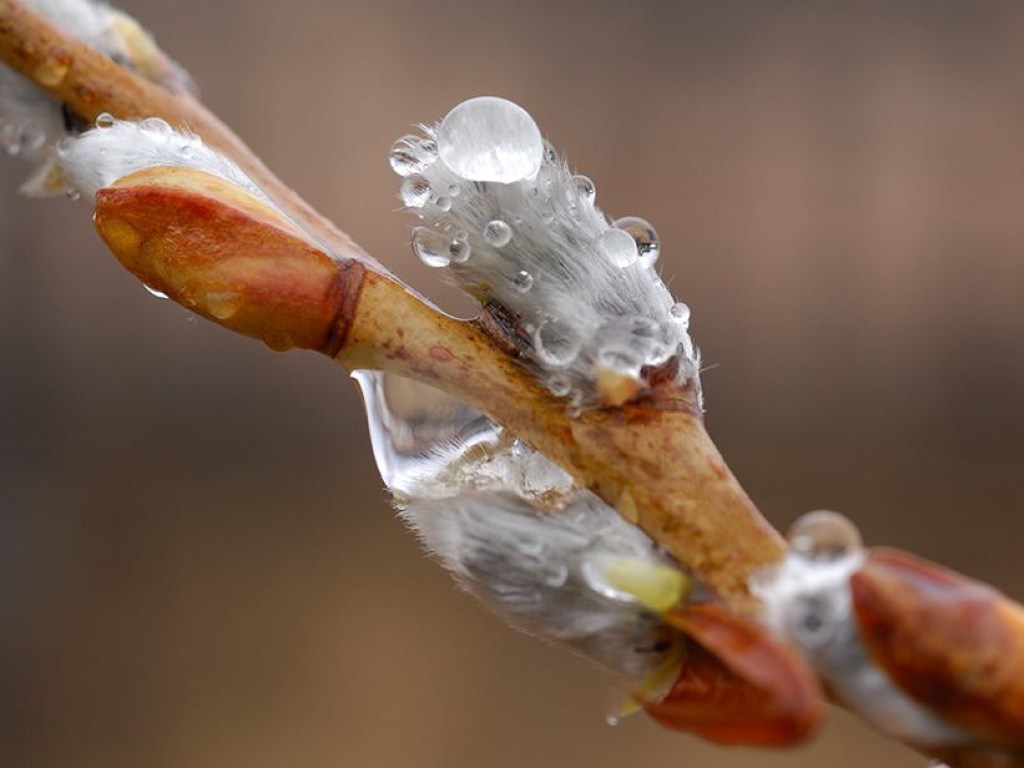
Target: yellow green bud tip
(656,587)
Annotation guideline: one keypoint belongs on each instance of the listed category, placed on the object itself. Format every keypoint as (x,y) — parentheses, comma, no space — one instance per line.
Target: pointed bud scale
(738,685)
(953,644)
(228,256)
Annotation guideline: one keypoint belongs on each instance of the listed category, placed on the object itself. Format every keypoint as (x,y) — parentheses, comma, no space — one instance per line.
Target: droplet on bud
(681,312)
(412,154)
(556,344)
(155,124)
(490,139)
(105,120)
(523,281)
(618,247)
(584,188)
(415,191)
(432,248)
(560,385)
(497,233)
(644,235)
(823,535)
(458,250)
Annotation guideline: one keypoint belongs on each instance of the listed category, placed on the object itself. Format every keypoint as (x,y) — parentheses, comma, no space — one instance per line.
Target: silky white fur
(31,121)
(582,311)
(98,158)
(513,528)
(807,602)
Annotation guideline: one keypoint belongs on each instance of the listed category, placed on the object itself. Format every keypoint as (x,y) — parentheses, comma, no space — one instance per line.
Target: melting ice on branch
(516,228)
(516,532)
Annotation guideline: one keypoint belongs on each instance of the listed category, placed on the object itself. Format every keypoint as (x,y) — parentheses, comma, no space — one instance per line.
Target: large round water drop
(490,139)
(646,238)
(823,535)
(431,247)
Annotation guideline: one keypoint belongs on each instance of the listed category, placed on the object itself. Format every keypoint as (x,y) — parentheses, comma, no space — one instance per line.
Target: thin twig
(652,459)
(653,462)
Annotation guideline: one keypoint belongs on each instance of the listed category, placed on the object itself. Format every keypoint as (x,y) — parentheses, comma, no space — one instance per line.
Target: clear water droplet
(105,120)
(412,154)
(453,190)
(431,247)
(497,233)
(155,124)
(618,247)
(415,191)
(824,535)
(490,139)
(154,292)
(644,235)
(523,281)
(444,203)
(555,343)
(559,385)
(459,250)
(681,312)
(584,188)
(72,194)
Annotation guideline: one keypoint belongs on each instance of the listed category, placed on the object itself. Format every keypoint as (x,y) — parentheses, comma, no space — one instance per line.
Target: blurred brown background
(197,564)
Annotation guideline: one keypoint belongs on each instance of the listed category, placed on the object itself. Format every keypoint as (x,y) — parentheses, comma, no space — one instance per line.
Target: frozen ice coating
(490,139)
(419,433)
(806,601)
(505,216)
(515,530)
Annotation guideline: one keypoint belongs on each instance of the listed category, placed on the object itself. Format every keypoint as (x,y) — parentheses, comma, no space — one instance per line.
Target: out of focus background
(198,566)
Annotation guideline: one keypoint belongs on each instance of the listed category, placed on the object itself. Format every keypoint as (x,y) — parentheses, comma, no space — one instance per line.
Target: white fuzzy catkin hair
(513,528)
(117,148)
(503,212)
(31,121)
(807,602)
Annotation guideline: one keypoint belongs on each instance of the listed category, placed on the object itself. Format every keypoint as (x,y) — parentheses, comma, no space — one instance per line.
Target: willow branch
(655,463)
(303,283)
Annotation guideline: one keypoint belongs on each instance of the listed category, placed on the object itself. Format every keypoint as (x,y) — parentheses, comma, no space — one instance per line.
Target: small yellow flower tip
(656,587)
(656,685)
(616,387)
